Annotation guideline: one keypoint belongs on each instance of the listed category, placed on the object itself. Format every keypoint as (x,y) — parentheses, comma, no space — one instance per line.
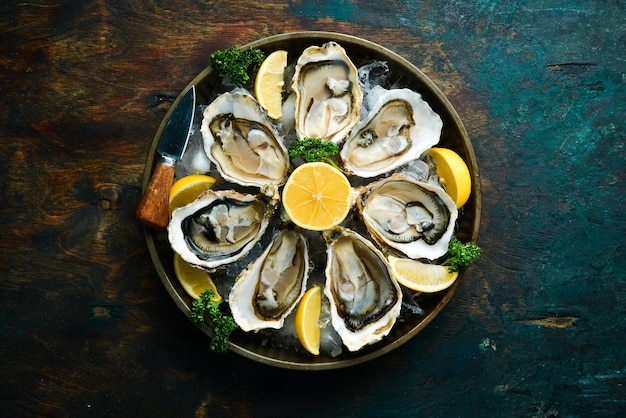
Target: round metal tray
(453,136)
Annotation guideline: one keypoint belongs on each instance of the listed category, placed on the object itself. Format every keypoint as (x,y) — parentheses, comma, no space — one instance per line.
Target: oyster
(242,142)
(365,300)
(328,94)
(220,227)
(415,218)
(399,127)
(269,289)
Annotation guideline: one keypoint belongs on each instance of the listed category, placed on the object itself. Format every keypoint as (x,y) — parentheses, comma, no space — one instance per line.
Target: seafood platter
(365,80)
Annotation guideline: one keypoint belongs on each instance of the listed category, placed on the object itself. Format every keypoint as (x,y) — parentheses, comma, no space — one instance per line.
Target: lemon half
(317,196)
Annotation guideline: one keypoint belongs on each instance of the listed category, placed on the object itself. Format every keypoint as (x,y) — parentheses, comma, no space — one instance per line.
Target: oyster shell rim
(414,249)
(421,139)
(241,285)
(175,233)
(320,54)
(374,331)
(211,143)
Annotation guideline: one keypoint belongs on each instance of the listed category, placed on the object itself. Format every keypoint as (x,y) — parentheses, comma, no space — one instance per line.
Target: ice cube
(194,160)
(330,341)
(373,74)
(416,169)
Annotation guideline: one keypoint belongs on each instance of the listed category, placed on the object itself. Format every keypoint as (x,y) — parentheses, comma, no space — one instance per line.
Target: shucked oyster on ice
(223,226)
(219,227)
(413,217)
(328,94)
(242,142)
(270,288)
(365,299)
(399,127)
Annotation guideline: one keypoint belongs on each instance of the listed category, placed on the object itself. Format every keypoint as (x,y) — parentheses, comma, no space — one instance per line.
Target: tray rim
(319,36)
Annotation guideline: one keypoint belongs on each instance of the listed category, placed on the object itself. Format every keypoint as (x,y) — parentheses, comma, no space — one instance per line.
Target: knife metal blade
(153,209)
(175,135)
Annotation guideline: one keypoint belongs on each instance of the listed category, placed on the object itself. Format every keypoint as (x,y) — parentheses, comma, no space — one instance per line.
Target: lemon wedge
(269,82)
(307,316)
(194,280)
(422,277)
(453,174)
(186,189)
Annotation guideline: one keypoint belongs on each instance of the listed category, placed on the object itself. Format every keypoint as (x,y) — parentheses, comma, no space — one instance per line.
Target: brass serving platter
(454,136)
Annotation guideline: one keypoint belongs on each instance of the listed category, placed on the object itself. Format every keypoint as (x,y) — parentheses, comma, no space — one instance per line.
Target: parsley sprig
(223,325)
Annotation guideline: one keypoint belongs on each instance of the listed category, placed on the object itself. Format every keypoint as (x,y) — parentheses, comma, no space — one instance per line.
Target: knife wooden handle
(154,206)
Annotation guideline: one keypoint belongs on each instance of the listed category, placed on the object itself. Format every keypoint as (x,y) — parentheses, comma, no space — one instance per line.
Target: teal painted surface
(552,78)
(334,9)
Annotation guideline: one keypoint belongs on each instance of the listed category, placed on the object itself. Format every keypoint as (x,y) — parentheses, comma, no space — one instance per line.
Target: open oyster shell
(399,127)
(410,216)
(328,94)
(270,288)
(219,227)
(242,142)
(365,300)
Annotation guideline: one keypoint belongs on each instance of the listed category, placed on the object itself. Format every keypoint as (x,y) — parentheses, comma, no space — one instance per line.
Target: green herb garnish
(460,255)
(223,325)
(235,64)
(313,149)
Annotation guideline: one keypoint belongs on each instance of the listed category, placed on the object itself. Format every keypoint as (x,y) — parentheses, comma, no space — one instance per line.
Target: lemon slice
(186,189)
(269,82)
(317,196)
(419,276)
(453,174)
(194,280)
(307,315)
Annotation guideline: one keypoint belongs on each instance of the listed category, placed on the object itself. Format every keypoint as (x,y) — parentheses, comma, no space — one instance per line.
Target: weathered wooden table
(537,327)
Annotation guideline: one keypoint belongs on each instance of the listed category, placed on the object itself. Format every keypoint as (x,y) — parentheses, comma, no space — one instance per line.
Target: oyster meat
(413,217)
(219,227)
(399,127)
(365,299)
(328,94)
(269,289)
(242,142)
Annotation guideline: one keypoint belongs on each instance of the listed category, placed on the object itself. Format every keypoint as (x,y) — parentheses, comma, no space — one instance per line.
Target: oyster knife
(153,209)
